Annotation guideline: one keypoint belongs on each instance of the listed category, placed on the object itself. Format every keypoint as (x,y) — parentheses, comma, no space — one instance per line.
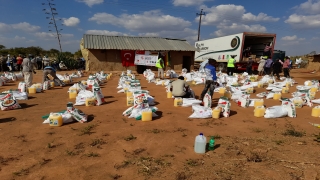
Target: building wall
(110,60)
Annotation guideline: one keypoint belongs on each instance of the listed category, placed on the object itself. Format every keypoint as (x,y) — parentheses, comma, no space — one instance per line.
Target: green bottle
(211,144)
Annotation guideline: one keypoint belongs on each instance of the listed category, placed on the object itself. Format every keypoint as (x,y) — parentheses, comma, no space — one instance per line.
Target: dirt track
(111,146)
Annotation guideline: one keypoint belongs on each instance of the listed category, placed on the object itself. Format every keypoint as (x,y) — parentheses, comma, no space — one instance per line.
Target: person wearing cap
(9,62)
(211,78)
(28,66)
(50,70)
(249,66)
(231,65)
(262,62)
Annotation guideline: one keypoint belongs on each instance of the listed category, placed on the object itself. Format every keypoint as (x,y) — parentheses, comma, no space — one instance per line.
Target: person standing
(19,62)
(2,60)
(14,63)
(262,62)
(277,68)
(160,66)
(9,62)
(230,65)
(46,61)
(286,66)
(50,70)
(39,62)
(268,65)
(211,78)
(28,65)
(267,50)
(249,66)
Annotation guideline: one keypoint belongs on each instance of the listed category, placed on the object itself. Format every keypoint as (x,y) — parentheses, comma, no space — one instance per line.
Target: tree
(2,47)
(78,54)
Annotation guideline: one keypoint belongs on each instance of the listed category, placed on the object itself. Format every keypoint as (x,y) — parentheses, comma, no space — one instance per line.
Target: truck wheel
(221,67)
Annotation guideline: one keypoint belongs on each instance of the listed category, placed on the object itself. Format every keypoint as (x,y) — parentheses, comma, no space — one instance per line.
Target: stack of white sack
(67,79)
(77,74)
(70,116)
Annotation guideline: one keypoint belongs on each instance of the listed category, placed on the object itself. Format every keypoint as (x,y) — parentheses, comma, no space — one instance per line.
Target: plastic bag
(201,112)
(98,95)
(9,104)
(82,96)
(207,100)
(276,112)
(22,87)
(187,102)
(225,105)
(244,100)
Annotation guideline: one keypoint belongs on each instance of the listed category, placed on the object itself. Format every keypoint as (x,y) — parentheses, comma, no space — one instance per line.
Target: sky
(23,23)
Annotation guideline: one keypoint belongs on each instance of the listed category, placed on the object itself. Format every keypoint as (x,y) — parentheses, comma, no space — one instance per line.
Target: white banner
(146,58)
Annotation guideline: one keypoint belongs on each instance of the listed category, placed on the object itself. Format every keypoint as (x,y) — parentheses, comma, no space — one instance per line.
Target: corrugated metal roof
(135,43)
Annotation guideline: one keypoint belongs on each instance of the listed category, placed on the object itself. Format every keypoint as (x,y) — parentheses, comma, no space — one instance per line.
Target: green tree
(2,47)
(78,54)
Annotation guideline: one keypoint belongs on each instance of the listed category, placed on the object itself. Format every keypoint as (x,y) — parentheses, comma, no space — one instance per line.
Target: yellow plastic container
(130,101)
(90,101)
(312,95)
(216,113)
(260,84)
(250,90)
(314,89)
(315,111)
(146,116)
(178,102)
(277,96)
(227,94)
(84,82)
(259,111)
(222,90)
(252,79)
(55,119)
(73,93)
(298,103)
(163,83)
(32,90)
(129,94)
(169,94)
(125,90)
(258,102)
(288,84)
(309,83)
(52,84)
(270,81)
(285,90)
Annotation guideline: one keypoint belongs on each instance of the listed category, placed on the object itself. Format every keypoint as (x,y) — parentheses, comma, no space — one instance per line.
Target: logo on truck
(200,46)
(234,42)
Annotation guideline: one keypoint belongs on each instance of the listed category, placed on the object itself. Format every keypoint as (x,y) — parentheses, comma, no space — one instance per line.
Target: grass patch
(194,162)
(124,120)
(87,130)
(317,138)
(50,133)
(21,172)
(279,142)
(116,176)
(155,131)
(216,136)
(71,153)
(124,164)
(169,155)
(138,151)
(293,132)
(92,154)
(97,142)
(181,176)
(50,145)
(44,161)
(256,157)
(148,165)
(257,130)
(130,138)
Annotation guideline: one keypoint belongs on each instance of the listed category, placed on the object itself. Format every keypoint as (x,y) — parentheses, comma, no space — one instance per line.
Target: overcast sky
(296,22)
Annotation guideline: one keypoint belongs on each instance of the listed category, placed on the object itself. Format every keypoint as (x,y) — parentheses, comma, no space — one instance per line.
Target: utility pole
(53,12)
(200,22)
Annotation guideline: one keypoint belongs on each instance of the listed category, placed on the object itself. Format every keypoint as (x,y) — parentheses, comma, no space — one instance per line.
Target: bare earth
(111,146)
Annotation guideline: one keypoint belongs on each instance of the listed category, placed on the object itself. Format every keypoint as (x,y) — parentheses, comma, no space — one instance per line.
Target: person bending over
(50,70)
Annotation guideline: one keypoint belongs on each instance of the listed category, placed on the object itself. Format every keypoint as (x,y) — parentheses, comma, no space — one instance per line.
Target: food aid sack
(128,111)
(150,100)
(188,102)
(2,82)
(77,115)
(276,112)
(19,76)
(225,106)
(82,96)
(90,83)
(66,117)
(140,99)
(199,80)
(291,108)
(269,95)
(98,95)
(46,85)
(263,94)
(17,95)
(9,103)
(22,87)
(244,100)
(201,112)
(207,100)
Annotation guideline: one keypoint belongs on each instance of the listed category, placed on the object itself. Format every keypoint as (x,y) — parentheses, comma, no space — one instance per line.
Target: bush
(67,60)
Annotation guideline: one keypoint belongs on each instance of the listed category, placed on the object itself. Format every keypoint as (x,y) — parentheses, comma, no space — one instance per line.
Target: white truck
(221,48)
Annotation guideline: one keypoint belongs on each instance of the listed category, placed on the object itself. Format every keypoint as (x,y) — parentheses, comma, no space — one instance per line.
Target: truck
(221,48)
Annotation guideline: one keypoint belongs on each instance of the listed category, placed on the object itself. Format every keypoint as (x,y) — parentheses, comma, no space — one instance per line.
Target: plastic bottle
(211,144)
(200,144)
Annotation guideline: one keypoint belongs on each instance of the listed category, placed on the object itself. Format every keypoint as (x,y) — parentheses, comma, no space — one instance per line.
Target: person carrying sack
(231,66)
(160,66)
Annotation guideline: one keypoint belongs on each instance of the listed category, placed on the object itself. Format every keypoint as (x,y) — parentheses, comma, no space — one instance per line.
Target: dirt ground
(111,146)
